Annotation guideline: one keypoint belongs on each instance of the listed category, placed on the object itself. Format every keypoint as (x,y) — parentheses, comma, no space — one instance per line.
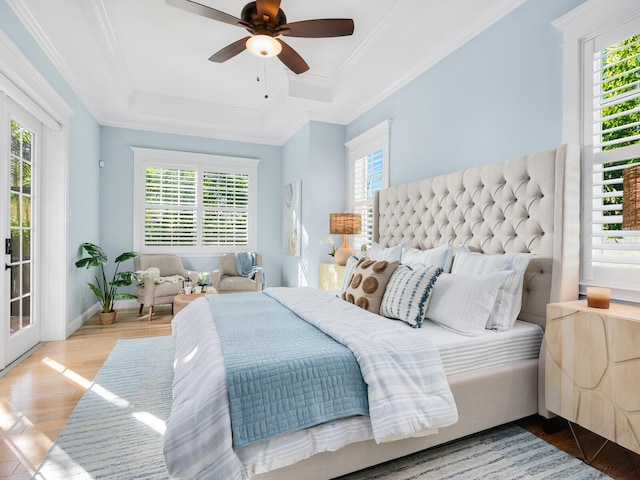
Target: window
(602,113)
(368,172)
(188,203)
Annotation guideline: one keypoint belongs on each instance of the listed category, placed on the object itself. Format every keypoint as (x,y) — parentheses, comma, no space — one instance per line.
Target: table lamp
(344,224)
(631,198)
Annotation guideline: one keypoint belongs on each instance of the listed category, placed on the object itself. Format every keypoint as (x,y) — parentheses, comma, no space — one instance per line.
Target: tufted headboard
(527,204)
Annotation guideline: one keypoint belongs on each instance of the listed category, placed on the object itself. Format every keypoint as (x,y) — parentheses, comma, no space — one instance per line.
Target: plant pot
(197,289)
(108,318)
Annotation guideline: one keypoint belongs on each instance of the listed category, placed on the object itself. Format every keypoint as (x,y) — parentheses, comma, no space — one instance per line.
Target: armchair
(153,292)
(226,279)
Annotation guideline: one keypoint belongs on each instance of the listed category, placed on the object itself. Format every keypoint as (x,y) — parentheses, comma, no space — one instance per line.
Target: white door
(19,163)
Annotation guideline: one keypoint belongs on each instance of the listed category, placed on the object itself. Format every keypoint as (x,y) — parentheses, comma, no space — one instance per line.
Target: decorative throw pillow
(349,267)
(368,283)
(463,303)
(441,256)
(509,299)
(407,295)
(390,254)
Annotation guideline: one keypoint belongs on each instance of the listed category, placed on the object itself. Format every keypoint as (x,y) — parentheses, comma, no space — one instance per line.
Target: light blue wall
(496,97)
(84,147)
(316,155)
(116,191)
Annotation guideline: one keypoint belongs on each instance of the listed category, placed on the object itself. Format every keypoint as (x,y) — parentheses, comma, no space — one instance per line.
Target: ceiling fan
(265,21)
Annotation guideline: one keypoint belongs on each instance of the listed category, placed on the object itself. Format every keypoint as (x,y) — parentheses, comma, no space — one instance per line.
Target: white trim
(22,80)
(81,319)
(145,156)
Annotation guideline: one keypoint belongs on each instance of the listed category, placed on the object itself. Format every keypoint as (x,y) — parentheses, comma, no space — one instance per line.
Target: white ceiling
(144,64)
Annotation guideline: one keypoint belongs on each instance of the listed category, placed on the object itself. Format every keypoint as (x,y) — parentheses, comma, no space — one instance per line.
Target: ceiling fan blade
(270,8)
(203,10)
(292,59)
(319,28)
(230,51)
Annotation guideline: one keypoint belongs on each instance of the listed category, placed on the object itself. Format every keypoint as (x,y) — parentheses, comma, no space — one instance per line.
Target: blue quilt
(283,374)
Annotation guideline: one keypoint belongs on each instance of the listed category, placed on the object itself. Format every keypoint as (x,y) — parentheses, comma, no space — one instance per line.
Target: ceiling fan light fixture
(264,46)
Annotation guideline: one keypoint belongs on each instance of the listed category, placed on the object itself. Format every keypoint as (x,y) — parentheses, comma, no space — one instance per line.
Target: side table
(331,275)
(182,300)
(592,372)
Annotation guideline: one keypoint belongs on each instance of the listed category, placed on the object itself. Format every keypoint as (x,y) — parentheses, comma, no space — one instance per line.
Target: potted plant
(106,291)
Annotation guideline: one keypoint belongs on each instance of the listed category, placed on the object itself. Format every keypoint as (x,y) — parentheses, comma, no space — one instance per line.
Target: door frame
(39,98)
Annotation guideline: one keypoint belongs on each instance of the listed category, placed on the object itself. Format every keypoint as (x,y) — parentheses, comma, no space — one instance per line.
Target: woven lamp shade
(345,223)
(631,198)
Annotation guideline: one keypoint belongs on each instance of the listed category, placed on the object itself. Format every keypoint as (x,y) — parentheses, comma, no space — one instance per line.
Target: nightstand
(592,373)
(331,275)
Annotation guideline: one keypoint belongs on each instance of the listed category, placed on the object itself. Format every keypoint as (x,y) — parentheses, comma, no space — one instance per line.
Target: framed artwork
(292,209)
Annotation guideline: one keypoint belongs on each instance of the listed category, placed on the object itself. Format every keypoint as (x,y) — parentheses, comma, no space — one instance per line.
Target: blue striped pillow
(407,295)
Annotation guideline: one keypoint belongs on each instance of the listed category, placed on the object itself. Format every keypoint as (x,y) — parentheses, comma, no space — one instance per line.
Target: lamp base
(343,254)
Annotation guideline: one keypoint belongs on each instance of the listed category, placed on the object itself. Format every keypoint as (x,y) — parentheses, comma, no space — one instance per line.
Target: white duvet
(408,391)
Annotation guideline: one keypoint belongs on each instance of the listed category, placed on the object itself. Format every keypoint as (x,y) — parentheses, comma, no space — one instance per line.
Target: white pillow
(407,294)
(441,256)
(509,298)
(349,267)
(463,303)
(390,254)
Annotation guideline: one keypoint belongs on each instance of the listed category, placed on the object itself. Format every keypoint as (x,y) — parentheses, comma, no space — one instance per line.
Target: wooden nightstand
(592,373)
(331,275)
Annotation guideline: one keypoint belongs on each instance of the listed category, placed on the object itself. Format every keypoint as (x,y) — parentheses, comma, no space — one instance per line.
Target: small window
(194,204)
(368,172)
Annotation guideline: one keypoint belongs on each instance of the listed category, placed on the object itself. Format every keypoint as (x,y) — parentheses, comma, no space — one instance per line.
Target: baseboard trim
(81,319)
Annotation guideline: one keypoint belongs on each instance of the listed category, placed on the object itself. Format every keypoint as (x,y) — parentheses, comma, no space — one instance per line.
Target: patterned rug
(116,431)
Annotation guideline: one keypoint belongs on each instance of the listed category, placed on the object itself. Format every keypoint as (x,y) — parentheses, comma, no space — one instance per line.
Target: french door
(19,165)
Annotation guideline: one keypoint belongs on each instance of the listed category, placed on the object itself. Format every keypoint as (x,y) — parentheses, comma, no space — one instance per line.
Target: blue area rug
(115,432)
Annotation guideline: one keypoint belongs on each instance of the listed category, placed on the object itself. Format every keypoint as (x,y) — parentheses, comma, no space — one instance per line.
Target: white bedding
(198,438)
(464,353)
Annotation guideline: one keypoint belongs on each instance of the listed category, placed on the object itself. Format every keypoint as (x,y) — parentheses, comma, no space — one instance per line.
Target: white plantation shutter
(611,255)
(170,207)
(368,172)
(226,209)
(194,204)
(367,178)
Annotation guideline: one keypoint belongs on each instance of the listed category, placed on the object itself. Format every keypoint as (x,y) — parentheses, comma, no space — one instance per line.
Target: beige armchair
(160,291)
(226,279)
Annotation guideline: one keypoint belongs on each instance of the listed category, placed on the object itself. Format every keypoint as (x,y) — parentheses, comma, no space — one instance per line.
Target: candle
(598,297)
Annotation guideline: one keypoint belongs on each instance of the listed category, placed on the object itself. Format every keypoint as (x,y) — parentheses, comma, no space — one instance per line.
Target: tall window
(190,203)
(368,172)
(615,129)
(602,113)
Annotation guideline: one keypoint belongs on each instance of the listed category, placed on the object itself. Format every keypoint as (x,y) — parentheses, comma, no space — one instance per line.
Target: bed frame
(528,204)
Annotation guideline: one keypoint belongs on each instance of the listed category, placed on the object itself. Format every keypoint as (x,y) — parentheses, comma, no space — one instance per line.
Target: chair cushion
(230,283)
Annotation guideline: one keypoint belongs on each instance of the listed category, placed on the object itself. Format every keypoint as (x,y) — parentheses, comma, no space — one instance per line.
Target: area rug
(116,430)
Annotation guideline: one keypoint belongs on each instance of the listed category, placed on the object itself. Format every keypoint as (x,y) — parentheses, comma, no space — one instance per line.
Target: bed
(528,205)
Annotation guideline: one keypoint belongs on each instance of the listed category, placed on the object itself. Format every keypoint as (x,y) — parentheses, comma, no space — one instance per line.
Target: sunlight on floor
(61,466)
(86,384)
(20,436)
(150,420)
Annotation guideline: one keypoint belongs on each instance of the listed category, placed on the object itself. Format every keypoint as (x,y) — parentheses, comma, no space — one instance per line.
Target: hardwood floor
(38,395)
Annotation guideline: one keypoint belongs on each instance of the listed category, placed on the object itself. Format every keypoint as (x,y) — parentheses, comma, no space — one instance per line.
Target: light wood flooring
(38,395)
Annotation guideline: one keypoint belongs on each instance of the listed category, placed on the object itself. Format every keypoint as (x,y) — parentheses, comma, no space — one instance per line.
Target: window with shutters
(193,204)
(611,144)
(368,172)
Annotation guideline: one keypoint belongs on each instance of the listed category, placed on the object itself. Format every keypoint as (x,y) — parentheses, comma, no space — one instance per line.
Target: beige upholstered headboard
(527,204)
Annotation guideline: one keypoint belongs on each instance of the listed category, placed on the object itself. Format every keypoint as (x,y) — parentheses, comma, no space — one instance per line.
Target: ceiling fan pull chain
(264,67)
